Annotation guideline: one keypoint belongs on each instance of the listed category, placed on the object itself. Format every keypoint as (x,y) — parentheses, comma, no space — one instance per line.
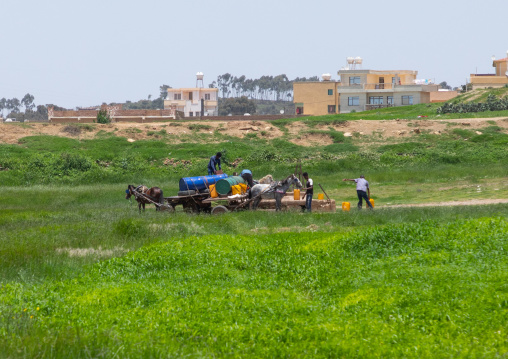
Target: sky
(84,53)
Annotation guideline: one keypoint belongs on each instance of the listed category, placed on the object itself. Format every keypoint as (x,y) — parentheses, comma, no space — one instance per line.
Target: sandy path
(473,202)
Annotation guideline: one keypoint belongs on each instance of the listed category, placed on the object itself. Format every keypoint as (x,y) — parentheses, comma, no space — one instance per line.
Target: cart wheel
(219,210)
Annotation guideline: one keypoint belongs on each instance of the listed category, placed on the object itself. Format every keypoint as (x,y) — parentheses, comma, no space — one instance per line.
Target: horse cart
(209,194)
(212,194)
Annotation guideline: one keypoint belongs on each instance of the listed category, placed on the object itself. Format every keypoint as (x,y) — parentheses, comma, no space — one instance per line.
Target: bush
(103,117)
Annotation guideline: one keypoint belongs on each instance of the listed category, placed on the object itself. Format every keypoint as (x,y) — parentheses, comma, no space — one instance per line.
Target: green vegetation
(492,103)
(83,274)
(411,282)
(103,117)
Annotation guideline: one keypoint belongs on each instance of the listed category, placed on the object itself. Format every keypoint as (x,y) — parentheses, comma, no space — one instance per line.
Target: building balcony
(377,106)
(385,87)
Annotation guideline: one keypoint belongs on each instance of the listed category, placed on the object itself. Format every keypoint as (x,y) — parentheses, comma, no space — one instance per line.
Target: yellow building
(495,80)
(316,98)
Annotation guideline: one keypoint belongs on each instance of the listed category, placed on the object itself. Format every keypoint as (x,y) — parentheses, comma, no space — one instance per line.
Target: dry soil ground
(298,132)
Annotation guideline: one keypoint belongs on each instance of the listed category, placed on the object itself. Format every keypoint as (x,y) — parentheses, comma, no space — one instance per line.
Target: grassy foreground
(424,289)
(87,276)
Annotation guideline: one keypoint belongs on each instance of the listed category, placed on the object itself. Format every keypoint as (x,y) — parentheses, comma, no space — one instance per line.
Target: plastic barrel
(346,206)
(223,186)
(296,194)
(199,183)
(320,196)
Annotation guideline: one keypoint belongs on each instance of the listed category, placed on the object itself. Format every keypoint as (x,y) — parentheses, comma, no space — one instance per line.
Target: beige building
(495,80)
(363,90)
(316,98)
(196,101)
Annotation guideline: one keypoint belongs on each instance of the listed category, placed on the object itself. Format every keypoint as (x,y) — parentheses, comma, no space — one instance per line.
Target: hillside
(84,274)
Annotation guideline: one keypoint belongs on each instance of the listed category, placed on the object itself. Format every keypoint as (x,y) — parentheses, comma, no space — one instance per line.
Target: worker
(214,162)
(309,191)
(363,191)
(247,176)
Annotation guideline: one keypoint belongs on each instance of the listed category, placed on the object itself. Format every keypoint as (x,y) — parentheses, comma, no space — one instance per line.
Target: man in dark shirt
(247,176)
(309,187)
(214,162)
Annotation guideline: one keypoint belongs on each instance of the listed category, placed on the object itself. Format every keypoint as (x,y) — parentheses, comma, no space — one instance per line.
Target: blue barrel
(199,183)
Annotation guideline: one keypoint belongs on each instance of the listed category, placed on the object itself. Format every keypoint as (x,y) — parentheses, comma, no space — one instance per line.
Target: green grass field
(84,275)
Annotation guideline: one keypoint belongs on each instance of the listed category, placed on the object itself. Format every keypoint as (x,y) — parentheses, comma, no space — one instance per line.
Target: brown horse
(144,195)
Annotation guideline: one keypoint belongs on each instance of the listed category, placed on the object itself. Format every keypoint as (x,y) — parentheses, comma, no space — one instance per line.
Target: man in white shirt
(309,187)
(362,188)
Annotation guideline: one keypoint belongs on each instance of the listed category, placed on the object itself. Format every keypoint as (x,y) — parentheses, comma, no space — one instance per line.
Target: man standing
(309,187)
(214,162)
(247,176)
(362,188)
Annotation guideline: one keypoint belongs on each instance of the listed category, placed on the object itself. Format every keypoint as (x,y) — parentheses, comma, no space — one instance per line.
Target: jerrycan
(371,202)
(320,196)
(346,206)
(296,194)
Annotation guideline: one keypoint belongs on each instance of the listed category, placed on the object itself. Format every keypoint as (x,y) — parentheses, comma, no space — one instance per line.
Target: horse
(144,195)
(273,190)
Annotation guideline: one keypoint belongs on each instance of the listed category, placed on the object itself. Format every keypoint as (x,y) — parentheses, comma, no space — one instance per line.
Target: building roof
(194,89)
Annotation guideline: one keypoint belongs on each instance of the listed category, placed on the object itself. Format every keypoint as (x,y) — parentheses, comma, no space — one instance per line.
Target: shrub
(103,117)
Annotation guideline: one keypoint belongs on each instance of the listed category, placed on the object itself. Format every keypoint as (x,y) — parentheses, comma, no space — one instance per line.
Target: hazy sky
(84,53)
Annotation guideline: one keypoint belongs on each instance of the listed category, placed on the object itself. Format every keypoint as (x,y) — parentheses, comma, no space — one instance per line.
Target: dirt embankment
(297,132)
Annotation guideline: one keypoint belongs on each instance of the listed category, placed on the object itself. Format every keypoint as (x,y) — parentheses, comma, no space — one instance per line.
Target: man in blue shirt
(214,162)
(362,188)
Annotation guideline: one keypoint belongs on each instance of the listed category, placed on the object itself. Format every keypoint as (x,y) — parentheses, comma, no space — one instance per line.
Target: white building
(196,101)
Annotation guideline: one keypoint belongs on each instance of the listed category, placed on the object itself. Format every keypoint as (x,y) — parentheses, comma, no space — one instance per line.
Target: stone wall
(115,112)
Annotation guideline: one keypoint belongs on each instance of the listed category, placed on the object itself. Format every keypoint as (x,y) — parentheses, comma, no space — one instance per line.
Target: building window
(353,101)
(354,80)
(207,96)
(190,114)
(331,108)
(376,100)
(389,100)
(407,100)
(178,96)
(330,92)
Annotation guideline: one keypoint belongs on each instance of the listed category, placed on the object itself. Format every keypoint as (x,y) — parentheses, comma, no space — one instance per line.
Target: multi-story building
(362,90)
(495,80)
(195,101)
(316,97)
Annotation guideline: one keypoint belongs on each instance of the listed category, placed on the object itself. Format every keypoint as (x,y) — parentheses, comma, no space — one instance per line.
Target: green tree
(3,104)
(236,106)
(103,117)
(28,102)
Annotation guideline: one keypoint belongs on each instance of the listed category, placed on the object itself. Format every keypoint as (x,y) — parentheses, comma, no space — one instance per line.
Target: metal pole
(324,191)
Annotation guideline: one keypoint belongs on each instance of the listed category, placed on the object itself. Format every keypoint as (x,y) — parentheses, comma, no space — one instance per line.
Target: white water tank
(199,76)
(358,60)
(326,77)
(350,60)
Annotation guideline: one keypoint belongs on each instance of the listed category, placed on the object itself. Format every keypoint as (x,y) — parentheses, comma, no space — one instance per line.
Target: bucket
(240,188)
(320,196)
(199,183)
(296,194)
(346,206)
(213,192)
(372,202)
(223,186)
